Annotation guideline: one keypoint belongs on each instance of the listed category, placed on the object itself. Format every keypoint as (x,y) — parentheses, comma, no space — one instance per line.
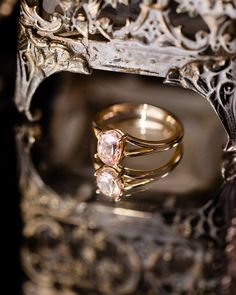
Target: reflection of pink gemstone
(109,183)
(110,147)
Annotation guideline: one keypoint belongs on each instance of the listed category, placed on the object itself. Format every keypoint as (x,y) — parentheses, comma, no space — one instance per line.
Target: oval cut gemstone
(109,183)
(110,147)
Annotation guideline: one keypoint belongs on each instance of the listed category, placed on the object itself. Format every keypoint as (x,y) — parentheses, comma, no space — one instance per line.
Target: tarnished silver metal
(216,81)
(93,248)
(98,260)
(191,44)
(135,37)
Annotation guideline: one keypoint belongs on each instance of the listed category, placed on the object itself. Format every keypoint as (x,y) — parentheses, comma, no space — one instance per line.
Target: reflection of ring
(114,182)
(113,144)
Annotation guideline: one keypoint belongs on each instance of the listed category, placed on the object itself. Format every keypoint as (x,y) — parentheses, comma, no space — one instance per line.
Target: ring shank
(133,178)
(143,112)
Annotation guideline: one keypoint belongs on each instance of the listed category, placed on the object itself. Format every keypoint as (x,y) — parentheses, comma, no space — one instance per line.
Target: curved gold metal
(132,178)
(146,113)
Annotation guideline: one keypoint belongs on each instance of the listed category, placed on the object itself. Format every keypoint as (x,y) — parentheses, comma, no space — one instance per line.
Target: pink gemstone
(110,147)
(109,183)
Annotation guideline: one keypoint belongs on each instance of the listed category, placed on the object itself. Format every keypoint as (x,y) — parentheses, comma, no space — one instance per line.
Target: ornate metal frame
(143,37)
(133,36)
(72,243)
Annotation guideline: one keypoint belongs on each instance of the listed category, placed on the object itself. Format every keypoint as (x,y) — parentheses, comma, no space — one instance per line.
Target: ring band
(115,182)
(112,144)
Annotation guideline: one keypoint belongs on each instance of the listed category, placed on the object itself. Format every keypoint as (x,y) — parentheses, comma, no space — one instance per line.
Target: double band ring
(115,182)
(114,144)
(128,130)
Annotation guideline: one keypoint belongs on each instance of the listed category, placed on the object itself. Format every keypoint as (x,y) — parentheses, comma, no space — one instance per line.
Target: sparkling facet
(109,183)
(110,147)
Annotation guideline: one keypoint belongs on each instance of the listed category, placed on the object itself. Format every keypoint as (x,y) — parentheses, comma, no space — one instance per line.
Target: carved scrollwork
(120,35)
(117,257)
(214,80)
(229,282)
(88,258)
(39,57)
(42,200)
(207,7)
(184,259)
(83,259)
(143,21)
(71,246)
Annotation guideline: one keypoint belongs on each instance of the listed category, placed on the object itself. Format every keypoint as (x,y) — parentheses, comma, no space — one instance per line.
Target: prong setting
(110,147)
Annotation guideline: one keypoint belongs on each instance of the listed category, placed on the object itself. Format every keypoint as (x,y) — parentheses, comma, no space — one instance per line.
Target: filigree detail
(206,222)
(30,18)
(208,7)
(38,58)
(229,163)
(98,249)
(153,27)
(88,258)
(219,16)
(83,257)
(151,23)
(41,200)
(229,282)
(184,261)
(129,36)
(214,80)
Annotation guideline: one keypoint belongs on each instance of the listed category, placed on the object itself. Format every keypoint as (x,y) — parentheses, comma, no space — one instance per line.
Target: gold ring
(114,144)
(115,182)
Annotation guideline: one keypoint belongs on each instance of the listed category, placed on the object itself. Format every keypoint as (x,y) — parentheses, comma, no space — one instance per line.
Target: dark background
(10,214)
(10,198)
